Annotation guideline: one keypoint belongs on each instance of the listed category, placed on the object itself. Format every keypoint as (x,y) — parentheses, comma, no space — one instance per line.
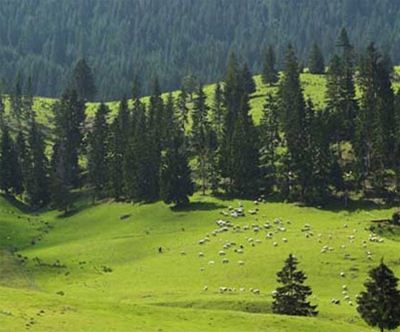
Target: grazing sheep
(256,291)
(205,288)
(342,274)
(242,289)
(201,254)
(221,253)
(275,244)
(240,262)
(211,262)
(225,261)
(285,240)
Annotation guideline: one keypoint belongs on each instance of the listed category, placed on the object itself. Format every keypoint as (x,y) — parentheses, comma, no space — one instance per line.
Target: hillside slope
(101,269)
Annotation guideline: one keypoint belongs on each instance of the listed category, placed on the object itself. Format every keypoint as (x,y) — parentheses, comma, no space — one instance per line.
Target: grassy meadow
(100,269)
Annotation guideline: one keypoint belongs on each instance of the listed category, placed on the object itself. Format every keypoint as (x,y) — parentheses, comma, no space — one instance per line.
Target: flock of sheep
(272,231)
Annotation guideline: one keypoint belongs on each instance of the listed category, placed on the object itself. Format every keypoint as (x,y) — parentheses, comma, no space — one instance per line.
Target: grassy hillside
(100,269)
(314,88)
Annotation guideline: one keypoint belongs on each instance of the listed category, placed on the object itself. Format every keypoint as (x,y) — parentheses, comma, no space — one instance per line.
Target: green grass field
(94,271)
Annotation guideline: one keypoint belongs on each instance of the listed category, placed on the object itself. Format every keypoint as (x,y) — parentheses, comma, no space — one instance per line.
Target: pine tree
(269,142)
(37,186)
(84,81)
(16,100)
(182,107)
(379,304)
(233,93)
(60,186)
(217,111)
(10,177)
(291,298)
(316,62)
(98,148)
(176,184)
(156,128)
(370,136)
(244,156)
(248,80)
(347,86)
(296,126)
(138,160)
(119,139)
(199,135)
(69,118)
(269,73)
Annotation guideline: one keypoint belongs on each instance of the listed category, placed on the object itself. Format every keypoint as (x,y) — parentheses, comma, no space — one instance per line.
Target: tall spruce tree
(233,93)
(98,151)
(295,124)
(316,62)
(37,184)
(269,72)
(118,144)
(248,80)
(69,120)
(84,82)
(244,156)
(176,185)
(348,99)
(10,176)
(200,137)
(156,129)
(217,111)
(369,143)
(291,298)
(269,142)
(60,183)
(379,304)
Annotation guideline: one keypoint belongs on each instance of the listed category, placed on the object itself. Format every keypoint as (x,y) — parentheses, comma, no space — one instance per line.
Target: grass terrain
(314,87)
(94,271)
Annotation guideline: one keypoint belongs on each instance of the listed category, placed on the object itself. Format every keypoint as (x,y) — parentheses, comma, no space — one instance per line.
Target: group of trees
(174,38)
(163,147)
(378,304)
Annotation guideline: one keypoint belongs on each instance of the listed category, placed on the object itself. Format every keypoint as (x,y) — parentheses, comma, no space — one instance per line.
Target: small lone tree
(291,298)
(379,305)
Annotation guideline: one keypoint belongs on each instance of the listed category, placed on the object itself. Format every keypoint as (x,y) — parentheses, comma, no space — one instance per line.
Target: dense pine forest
(167,148)
(43,39)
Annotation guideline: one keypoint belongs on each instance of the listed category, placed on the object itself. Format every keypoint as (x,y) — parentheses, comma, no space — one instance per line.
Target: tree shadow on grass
(198,206)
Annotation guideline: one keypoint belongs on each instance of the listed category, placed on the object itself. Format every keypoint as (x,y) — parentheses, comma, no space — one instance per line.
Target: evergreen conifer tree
(291,297)
(98,151)
(270,74)
(316,62)
(379,304)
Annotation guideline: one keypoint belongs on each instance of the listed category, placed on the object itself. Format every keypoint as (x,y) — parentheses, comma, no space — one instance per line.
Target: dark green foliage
(269,142)
(11,174)
(248,80)
(379,304)
(269,72)
(203,139)
(375,122)
(316,62)
(118,144)
(69,119)
(175,180)
(291,298)
(60,185)
(116,43)
(37,181)
(244,157)
(84,81)
(217,111)
(98,151)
